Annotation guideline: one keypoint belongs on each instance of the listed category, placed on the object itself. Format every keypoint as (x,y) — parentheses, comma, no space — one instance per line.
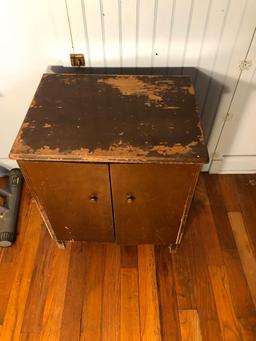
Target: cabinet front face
(150,201)
(75,198)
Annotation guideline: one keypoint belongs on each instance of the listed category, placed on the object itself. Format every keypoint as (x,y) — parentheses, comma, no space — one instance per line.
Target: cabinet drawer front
(150,200)
(75,197)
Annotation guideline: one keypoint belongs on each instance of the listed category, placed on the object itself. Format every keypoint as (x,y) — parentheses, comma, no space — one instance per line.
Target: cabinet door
(151,201)
(74,197)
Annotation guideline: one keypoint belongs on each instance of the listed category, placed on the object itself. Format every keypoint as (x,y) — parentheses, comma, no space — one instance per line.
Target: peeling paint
(175,149)
(189,89)
(69,81)
(47,125)
(112,119)
(116,150)
(134,86)
(33,103)
(201,134)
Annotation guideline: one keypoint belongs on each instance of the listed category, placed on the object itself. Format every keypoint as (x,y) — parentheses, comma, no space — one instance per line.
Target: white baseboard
(205,167)
(8,164)
(234,164)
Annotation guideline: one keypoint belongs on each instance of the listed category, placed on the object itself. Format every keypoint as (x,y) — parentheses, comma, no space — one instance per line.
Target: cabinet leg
(61,244)
(173,248)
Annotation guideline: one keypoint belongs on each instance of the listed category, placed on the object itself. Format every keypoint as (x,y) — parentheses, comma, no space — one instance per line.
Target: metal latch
(77,59)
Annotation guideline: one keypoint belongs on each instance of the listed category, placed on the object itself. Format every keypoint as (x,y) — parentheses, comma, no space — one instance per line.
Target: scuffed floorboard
(106,292)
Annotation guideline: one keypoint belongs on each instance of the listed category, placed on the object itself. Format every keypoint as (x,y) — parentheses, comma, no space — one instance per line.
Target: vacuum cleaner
(10,207)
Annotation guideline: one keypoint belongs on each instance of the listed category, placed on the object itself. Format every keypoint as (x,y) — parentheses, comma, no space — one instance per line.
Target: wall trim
(234,164)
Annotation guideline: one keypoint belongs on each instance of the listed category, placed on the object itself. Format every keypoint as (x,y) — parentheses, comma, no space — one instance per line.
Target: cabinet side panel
(75,198)
(40,207)
(191,191)
(151,201)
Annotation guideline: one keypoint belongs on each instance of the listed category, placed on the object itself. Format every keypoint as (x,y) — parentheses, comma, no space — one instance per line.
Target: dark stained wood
(245,249)
(248,326)
(9,260)
(148,294)
(229,324)
(35,303)
(129,256)
(93,291)
(75,289)
(64,191)
(108,118)
(217,203)
(91,327)
(111,299)
(206,226)
(130,318)
(79,127)
(158,194)
(14,314)
(202,289)
(55,299)
(236,191)
(238,286)
(170,329)
(246,187)
(183,278)
(229,192)
(205,300)
(234,282)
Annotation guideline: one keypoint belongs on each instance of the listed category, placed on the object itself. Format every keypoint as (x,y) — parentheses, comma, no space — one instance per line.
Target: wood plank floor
(205,291)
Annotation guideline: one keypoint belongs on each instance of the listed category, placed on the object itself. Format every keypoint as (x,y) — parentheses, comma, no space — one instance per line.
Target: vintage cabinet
(112,157)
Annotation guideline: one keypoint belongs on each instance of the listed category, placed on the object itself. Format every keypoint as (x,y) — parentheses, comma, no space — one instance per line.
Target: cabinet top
(112,118)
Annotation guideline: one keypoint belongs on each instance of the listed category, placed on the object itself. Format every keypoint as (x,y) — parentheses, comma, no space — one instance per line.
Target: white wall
(213,35)
(236,149)
(29,43)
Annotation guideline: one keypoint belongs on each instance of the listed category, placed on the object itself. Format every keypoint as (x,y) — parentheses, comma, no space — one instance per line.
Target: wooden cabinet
(112,158)
(75,198)
(149,201)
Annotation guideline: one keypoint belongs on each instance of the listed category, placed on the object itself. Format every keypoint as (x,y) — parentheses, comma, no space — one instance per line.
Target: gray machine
(10,207)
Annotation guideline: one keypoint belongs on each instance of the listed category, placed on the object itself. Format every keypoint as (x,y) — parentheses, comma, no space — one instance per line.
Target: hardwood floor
(205,291)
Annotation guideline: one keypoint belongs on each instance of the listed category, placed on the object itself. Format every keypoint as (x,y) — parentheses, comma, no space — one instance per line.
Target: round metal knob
(93,198)
(130,198)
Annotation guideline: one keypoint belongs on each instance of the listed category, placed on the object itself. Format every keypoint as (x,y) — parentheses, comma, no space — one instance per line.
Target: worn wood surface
(110,292)
(114,118)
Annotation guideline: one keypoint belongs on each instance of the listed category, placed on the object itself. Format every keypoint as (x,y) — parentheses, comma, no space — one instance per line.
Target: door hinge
(245,65)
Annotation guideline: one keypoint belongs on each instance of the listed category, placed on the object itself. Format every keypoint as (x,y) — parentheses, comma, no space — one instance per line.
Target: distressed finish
(112,119)
(112,157)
